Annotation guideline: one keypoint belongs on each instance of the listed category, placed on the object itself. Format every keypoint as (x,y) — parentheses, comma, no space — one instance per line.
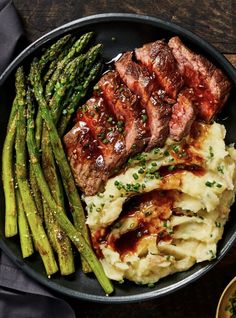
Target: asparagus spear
(24,232)
(58,151)
(90,58)
(76,237)
(78,46)
(53,65)
(66,80)
(58,238)
(76,49)
(40,239)
(60,242)
(9,179)
(50,54)
(53,51)
(47,154)
(33,183)
(7,164)
(35,191)
(62,85)
(64,167)
(76,98)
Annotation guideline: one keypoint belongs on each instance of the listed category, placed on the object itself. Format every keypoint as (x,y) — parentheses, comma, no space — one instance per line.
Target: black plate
(118,33)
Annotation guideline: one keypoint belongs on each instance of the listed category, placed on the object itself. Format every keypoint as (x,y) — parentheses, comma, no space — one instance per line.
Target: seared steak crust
(126,109)
(140,82)
(86,159)
(210,85)
(111,142)
(94,146)
(136,77)
(159,113)
(183,115)
(159,59)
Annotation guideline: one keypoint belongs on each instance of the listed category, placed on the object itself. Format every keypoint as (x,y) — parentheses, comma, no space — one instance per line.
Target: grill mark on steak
(210,85)
(159,59)
(140,82)
(183,115)
(126,108)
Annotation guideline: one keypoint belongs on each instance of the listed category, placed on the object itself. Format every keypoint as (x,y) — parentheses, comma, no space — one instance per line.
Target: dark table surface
(215,21)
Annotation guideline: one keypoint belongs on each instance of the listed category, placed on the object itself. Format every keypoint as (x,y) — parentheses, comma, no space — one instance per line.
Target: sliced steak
(140,82)
(159,113)
(126,109)
(183,115)
(94,146)
(111,142)
(210,85)
(86,159)
(159,59)
(136,77)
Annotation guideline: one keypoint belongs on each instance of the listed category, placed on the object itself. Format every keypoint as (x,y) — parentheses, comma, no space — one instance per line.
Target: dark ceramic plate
(129,31)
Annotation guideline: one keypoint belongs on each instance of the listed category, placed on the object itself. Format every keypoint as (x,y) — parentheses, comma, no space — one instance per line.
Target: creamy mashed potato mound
(191,185)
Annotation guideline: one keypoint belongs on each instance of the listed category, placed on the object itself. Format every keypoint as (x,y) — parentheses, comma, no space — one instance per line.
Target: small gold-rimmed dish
(227,304)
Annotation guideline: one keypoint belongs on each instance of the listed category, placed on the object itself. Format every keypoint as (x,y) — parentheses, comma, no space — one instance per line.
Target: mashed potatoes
(192,186)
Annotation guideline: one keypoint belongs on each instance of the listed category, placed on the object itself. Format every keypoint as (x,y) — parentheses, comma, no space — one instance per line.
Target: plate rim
(59,31)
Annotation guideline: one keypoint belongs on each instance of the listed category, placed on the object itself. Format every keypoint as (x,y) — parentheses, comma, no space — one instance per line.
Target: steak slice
(126,108)
(159,59)
(210,85)
(136,77)
(183,115)
(94,146)
(140,82)
(159,113)
(86,159)
(111,142)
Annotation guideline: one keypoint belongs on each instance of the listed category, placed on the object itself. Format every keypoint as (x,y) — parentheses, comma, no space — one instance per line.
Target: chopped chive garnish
(210,184)
(220,169)
(144,118)
(175,148)
(141,171)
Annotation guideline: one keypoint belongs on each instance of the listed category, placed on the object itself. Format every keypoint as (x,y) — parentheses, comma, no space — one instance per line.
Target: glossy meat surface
(127,111)
(183,115)
(136,77)
(210,85)
(159,113)
(95,147)
(158,58)
(142,83)
(85,158)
